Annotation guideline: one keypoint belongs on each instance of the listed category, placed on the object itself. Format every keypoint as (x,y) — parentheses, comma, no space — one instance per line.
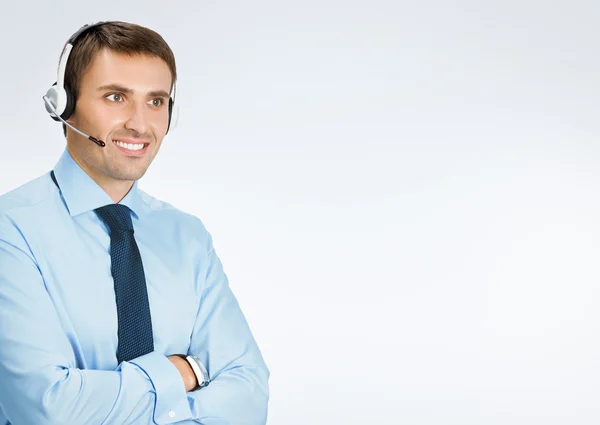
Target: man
(114,307)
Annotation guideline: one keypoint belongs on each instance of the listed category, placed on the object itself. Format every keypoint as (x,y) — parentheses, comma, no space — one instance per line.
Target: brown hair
(121,37)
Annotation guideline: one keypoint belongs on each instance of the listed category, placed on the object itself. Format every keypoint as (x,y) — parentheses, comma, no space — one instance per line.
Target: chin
(132,175)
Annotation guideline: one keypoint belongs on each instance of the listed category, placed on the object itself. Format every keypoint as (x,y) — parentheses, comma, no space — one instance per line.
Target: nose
(137,119)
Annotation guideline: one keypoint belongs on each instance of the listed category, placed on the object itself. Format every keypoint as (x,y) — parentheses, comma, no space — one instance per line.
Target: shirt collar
(82,194)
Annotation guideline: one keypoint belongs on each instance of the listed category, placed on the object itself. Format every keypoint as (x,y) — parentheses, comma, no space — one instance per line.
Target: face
(122,99)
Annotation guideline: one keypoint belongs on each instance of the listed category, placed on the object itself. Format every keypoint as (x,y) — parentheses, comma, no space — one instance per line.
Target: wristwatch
(199,370)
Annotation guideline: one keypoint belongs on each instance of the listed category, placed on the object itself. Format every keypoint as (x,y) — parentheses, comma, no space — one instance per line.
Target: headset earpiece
(170,114)
(58,98)
(173,115)
(62,100)
(173,109)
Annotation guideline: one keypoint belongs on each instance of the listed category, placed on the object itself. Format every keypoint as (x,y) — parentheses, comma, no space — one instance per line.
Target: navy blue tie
(133,309)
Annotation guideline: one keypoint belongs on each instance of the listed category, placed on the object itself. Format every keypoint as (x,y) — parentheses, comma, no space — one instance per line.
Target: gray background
(404,194)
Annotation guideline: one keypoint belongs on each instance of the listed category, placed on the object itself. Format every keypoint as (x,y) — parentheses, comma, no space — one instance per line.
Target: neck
(115,188)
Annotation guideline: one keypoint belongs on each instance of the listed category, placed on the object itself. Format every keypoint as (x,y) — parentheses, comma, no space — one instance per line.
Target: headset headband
(85,28)
(62,66)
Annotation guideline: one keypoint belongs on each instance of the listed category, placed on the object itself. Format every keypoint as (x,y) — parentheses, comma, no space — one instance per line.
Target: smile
(130,146)
(132,149)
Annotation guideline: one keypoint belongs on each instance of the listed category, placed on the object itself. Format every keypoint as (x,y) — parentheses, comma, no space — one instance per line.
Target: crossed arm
(40,383)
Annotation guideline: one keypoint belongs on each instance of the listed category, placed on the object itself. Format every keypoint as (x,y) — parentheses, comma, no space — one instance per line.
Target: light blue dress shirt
(58,318)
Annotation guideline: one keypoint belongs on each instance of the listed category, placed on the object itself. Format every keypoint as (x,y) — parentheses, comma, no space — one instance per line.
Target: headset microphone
(50,107)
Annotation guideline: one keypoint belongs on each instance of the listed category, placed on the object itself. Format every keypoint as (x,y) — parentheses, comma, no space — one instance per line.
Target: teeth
(130,146)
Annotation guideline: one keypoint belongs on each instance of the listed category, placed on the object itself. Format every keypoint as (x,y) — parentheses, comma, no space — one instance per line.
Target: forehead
(138,72)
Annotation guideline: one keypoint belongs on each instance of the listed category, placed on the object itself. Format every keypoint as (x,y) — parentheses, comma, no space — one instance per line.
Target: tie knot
(116,216)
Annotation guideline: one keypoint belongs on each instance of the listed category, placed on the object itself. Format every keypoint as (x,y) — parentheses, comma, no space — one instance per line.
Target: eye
(157,102)
(117,97)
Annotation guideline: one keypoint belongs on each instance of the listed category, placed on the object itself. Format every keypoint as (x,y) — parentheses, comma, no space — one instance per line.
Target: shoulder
(27,195)
(21,207)
(174,219)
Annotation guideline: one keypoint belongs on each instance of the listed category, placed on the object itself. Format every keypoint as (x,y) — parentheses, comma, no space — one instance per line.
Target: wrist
(185,370)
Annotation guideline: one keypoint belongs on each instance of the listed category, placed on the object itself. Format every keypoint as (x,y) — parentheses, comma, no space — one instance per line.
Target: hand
(187,374)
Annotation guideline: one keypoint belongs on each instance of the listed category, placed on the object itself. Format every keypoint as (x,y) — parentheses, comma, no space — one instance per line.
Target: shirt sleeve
(171,400)
(39,379)
(238,393)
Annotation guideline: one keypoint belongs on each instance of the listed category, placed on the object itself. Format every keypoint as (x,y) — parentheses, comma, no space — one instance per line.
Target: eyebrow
(123,89)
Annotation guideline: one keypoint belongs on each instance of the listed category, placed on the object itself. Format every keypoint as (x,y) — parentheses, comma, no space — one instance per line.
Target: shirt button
(171,414)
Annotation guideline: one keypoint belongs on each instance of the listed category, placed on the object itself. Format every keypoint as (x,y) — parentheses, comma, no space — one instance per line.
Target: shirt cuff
(171,399)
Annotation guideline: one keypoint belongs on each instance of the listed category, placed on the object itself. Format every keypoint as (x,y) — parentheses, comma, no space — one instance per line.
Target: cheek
(162,120)
(158,126)
(106,116)
(94,114)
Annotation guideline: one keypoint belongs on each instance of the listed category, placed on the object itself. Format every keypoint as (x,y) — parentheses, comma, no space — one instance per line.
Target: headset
(60,102)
